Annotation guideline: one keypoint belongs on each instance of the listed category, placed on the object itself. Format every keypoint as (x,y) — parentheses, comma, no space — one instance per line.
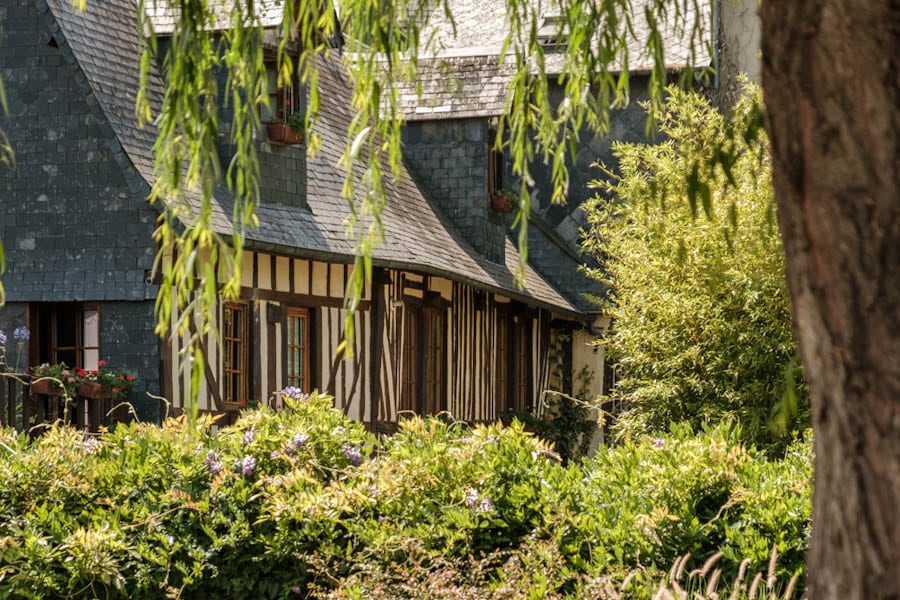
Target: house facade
(443,327)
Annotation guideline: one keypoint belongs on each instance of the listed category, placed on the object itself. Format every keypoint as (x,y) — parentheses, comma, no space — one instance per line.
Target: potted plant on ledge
(288,130)
(104,384)
(54,380)
(504,200)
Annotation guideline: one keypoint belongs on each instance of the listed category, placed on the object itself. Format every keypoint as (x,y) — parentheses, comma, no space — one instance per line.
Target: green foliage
(564,420)
(701,315)
(305,499)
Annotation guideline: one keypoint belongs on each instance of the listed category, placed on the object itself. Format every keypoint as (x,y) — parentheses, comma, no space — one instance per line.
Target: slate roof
(457,87)
(417,237)
(163,15)
(463,78)
(482,25)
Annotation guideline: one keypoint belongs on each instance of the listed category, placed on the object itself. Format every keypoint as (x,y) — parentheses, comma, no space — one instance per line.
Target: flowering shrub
(20,335)
(299,503)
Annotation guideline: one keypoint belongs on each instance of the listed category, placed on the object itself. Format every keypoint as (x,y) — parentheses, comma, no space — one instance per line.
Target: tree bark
(831,79)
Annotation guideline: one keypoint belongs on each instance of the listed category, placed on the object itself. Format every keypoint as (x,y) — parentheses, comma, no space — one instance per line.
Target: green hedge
(305,502)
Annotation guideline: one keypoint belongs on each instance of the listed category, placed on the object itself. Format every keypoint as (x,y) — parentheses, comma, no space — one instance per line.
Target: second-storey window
(234,345)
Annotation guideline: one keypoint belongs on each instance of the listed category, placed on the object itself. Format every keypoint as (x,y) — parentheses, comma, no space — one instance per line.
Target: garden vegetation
(305,503)
(700,310)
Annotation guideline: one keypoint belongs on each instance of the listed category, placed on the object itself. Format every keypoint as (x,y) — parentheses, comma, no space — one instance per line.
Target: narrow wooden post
(376,341)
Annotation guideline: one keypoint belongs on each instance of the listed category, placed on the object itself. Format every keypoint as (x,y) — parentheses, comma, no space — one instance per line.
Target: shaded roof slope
(105,44)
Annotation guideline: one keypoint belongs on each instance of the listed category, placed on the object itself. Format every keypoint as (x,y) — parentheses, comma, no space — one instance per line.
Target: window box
(93,391)
(46,387)
(280,133)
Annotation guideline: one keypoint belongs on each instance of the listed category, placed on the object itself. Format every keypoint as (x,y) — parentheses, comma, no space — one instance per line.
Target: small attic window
(495,164)
(52,42)
(554,31)
(283,101)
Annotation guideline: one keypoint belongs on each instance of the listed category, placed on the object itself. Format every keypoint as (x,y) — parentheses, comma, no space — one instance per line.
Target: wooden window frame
(516,392)
(239,368)
(424,388)
(51,311)
(502,361)
(494,165)
(286,95)
(522,392)
(304,382)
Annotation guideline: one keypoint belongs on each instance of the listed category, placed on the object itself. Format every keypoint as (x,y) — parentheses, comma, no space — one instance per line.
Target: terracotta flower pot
(283,134)
(501,203)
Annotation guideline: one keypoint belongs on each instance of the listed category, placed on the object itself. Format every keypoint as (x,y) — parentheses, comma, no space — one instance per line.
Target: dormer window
(284,113)
(503,199)
(554,31)
(495,164)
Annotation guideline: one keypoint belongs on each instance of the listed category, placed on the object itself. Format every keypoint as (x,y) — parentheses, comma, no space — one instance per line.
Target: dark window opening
(66,333)
(495,164)
(513,365)
(284,100)
(424,356)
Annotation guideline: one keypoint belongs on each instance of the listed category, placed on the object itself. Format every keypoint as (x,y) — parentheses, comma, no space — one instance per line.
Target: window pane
(91,359)
(66,330)
(91,320)
(91,334)
(297,349)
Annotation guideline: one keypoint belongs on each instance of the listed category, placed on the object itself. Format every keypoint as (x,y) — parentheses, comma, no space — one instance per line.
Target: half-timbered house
(442,327)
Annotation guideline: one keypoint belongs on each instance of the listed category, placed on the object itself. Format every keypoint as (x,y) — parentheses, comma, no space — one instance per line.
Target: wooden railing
(14,400)
(23,408)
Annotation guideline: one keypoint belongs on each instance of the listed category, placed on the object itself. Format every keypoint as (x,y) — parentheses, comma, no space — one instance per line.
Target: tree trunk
(831,78)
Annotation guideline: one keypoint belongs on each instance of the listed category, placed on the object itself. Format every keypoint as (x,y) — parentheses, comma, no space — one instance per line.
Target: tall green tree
(701,317)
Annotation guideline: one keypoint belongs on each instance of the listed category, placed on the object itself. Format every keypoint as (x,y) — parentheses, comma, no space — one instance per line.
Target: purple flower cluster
(248,463)
(294,393)
(2,338)
(213,462)
(473,502)
(295,443)
(91,444)
(249,436)
(659,443)
(21,334)
(353,455)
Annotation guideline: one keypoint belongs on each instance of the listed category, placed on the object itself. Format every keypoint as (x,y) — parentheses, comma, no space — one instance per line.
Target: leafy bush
(701,316)
(306,503)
